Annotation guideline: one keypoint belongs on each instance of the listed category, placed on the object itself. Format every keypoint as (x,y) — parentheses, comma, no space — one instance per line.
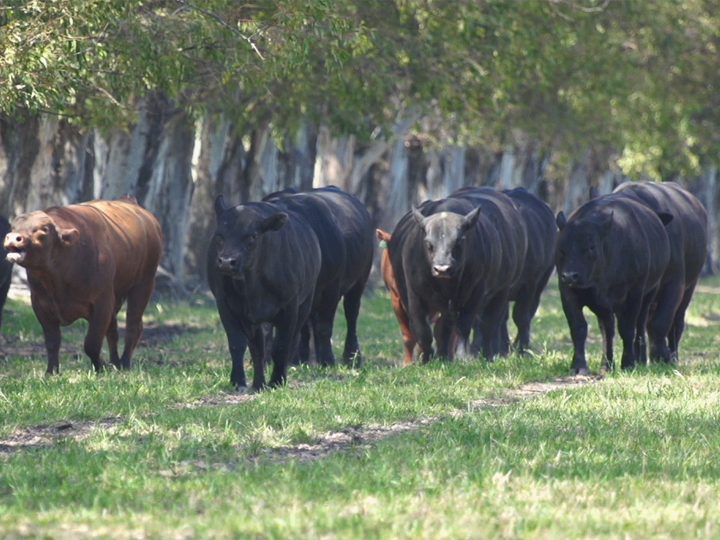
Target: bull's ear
(68,236)
(593,193)
(605,225)
(220,206)
(419,218)
(471,219)
(665,217)
(273,223)
(561,220)
(383,237)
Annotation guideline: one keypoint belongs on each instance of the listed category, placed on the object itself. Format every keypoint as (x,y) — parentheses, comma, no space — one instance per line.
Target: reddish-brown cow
(83,261)
(389,278)
(400,312)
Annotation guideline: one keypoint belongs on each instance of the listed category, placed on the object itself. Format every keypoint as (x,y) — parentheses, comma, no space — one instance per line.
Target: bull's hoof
(581,372)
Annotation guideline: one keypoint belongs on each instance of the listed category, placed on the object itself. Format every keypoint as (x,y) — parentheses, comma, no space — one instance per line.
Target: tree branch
(224,23)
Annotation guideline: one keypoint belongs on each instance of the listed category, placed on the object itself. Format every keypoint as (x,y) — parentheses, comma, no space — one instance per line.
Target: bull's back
(501,215)
(127,234)
(637,244)
(687,231)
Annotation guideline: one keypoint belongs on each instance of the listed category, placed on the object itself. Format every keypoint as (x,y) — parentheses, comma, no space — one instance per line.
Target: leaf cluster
(638,74)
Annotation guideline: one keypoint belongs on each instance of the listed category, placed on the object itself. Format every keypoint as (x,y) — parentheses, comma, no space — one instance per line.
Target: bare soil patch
(359,437)
(365,436)
(46,435)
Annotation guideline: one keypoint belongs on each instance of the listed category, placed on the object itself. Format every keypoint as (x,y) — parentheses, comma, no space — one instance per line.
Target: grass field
(447,450)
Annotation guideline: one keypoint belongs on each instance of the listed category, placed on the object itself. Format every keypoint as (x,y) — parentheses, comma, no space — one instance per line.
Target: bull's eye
(429,246)
(219,241)
(251,239)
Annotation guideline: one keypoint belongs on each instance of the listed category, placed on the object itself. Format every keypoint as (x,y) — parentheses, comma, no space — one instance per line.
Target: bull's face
(238,234)
(34,239)
(579,251)
(445,239)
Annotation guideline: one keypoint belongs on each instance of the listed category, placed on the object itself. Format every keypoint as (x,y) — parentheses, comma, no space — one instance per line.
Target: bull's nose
(227,264)
(13,238)
(570,278)
(442,270)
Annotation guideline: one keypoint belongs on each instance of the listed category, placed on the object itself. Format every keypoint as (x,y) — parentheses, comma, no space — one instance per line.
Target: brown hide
(84,261)
(388,275)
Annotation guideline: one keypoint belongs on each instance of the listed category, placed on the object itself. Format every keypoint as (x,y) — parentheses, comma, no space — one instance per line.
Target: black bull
(458,258)
(612,254)
(263,263)
(346,237)
(687,235)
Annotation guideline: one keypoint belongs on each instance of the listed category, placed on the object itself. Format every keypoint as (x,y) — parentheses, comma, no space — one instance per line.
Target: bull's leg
(303,351)
(101,315)
(627,318)
(256,344)
(351,304)
(660,325)
(504,343)
(287,335)
(640,343)
(572,308)
(493,316)
(53,338)
(524,310)
(678,326)
(112,338)
(420,326)
(237,344)
(444,328)
(137,300)
(606,322)
(467,320)
(323,321)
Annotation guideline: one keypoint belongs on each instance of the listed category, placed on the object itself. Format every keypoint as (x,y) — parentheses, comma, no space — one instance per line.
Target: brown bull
(83,261)
(388,274)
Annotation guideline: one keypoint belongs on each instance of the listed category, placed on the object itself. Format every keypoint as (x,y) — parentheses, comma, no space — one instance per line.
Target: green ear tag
(383,244)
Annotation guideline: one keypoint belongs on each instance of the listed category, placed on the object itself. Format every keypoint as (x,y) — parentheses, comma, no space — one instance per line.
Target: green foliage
(640,75)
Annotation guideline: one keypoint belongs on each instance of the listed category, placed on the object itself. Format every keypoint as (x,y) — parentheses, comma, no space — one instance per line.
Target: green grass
(167,450)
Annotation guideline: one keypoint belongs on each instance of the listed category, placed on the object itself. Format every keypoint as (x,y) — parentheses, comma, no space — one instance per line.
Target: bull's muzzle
(570,278)
(443,270)
(227,265)
(16,244)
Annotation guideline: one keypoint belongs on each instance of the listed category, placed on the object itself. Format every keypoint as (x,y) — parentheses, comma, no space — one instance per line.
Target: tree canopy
(637,74)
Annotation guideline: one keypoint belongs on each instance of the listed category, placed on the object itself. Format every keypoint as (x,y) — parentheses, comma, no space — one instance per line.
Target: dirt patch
(154,336)
(333,441)
(365,436)
(46,435)
(707,289)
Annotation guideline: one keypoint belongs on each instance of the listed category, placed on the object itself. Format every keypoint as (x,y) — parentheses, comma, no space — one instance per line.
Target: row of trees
(395,100)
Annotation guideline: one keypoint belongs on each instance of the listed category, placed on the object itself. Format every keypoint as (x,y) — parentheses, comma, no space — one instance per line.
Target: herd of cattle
(279,267)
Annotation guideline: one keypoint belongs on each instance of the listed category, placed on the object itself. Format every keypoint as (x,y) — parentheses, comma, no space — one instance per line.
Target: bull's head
(579,249)
(445,238)
(34,239)
(237,236)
